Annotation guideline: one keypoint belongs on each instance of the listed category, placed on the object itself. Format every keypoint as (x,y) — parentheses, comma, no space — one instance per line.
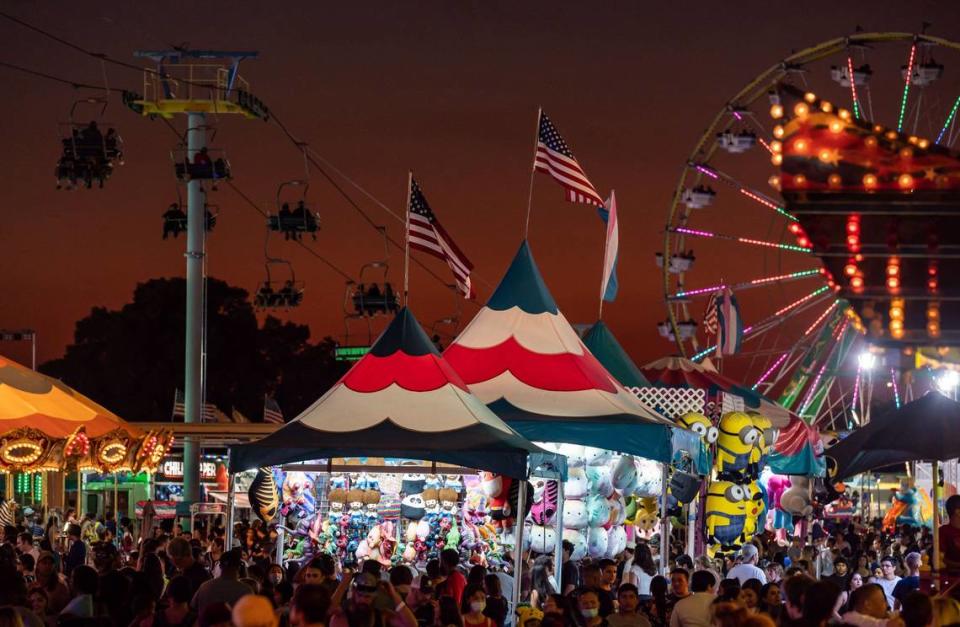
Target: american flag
(710,315)
(425,233)
(556,159)
(271,411)
(208,411)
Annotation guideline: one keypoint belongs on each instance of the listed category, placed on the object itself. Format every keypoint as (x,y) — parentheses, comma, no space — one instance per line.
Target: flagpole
(533,171)
(406,243)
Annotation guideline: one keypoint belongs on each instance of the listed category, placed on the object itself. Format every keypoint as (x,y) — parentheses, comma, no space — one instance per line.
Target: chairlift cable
(39,74)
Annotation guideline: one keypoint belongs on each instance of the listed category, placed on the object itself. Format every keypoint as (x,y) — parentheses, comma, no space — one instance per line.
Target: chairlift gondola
(368,297)
(175,219)
(293,223)
(273,294)
(88,152)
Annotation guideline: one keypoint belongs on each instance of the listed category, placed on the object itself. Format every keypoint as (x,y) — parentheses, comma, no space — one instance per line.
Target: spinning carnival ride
(827,213)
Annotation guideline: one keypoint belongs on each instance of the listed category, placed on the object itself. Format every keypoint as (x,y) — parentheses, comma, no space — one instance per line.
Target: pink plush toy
(776,486)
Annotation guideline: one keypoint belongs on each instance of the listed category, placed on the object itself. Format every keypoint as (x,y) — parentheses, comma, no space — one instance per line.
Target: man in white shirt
(747,568)
(889,580)
(694,610)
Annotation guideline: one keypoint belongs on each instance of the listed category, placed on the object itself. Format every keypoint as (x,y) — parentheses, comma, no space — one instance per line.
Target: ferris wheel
(730,227)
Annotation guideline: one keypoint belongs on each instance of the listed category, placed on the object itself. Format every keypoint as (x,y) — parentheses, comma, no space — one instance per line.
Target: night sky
(447,89)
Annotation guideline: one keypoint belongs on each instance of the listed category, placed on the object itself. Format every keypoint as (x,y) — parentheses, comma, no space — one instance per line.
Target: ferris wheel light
(799,180)
(826,107)
(776,146)
(948,381)
(801,109)
(836,126)
(891,135)
(923,144)
(824,155)
(850,269)
(800,145)
(844,114)
(776,111)
(905,181)
(810,97)
(870,180)
(906,153)
(893,283)
(778,132)
(774,182)
(856,282)
(776,159)
(834,180)
(867,360)
(870,142)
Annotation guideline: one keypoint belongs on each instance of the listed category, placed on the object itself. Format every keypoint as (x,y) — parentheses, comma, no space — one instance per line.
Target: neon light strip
(816,381)
(746,284)
(708,172)
(743,240)
(816,292)
(856,385)
(765,145)
(766,374)
(703,353)
(737,115)
(896,390)
(853,88)
(817,322)
(766,203)
(906,90)
(953,112)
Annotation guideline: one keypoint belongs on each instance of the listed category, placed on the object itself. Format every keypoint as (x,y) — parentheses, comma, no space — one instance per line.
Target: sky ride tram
(294,222)
(275,294)
(368,298)
(90,149)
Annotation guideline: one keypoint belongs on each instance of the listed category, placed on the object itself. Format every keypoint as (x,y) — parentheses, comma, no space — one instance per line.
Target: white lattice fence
(671,402)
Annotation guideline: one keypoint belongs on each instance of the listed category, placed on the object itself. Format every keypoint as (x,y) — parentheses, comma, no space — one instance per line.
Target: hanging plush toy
(448,502)
(796,499)
(371,507)
(701,425)
(647,517)
(541,539)
(412,484)
(734,445)
(598,511)
(431,500)
(776,486)
(597,540)
(545,507)
(761,449)
(649,478)
(263,495)
(575,454)
(579,542)
(755,510)
(576,486)
(575,514)
(624,475)
(616,541)
(412,507)
(497,489)
(725,514)
(298,498)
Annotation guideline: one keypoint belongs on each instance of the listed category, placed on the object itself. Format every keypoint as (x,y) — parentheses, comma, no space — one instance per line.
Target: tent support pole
(79,494)
(692,526)
(664,520)
(558,550)
(231,479)
(936,525)
(116,499)
(518,542)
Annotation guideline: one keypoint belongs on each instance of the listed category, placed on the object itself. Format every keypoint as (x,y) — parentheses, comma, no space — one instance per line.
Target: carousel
(50,430)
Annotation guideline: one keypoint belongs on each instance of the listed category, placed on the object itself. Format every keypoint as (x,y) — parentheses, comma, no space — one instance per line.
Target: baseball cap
(748,551)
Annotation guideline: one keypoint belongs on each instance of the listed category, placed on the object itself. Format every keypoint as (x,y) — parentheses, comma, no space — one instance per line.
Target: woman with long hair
(642,571)
(541,587)
(656,608)
(770,600)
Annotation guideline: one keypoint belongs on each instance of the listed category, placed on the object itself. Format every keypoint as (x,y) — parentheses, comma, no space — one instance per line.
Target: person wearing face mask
(588,606)
(275,574)
(472,607)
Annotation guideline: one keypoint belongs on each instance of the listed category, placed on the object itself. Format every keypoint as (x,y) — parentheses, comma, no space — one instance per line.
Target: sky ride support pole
(935,471)
(558,550)
(193,388)
(518,542)
(231,504)
(664,520)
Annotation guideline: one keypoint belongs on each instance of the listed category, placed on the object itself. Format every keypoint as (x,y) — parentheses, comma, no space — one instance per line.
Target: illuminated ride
(826,212)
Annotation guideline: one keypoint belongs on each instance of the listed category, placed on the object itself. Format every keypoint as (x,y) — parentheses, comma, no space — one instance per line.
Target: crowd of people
(95,573)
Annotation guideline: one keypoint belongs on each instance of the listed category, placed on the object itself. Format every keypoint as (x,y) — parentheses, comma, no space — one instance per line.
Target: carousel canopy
(402,399)
(605,347)
(682,373)
(922,430)
(521,357)
(32,400)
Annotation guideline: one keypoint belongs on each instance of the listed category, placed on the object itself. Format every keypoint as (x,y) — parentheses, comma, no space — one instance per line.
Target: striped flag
(208,411)
(710,315)
(608,213)
(271,411)
(426,234)
(730,324)
(555,158)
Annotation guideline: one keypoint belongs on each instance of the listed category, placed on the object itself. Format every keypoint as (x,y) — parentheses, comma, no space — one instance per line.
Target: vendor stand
(401,400)
(48,427)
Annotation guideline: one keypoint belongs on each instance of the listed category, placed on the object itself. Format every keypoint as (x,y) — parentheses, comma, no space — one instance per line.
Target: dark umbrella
(925,429)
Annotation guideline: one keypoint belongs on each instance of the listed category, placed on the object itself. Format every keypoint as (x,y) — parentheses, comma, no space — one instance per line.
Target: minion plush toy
(734,445)
(701,425)
(758,456)
(725,514)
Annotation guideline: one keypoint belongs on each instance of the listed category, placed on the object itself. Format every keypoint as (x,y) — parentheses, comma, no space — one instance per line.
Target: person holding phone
(359,611)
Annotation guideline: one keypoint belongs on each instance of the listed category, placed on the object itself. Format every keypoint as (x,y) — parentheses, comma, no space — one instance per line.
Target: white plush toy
(574,453)
(575,514)
(576,485)
(542,539)
(597,540)
(648,478)
(579,542)
(616,541)
(598,511)
(596,456)
(599,480)
(624,474)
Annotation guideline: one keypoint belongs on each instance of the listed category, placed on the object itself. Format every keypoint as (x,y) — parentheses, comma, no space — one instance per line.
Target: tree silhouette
(131,360)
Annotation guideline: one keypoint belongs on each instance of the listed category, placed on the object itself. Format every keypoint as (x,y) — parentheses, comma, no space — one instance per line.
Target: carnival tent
(402,400)
(922,430)
(684,373)
(521,357)
(605,347)
(47,425)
